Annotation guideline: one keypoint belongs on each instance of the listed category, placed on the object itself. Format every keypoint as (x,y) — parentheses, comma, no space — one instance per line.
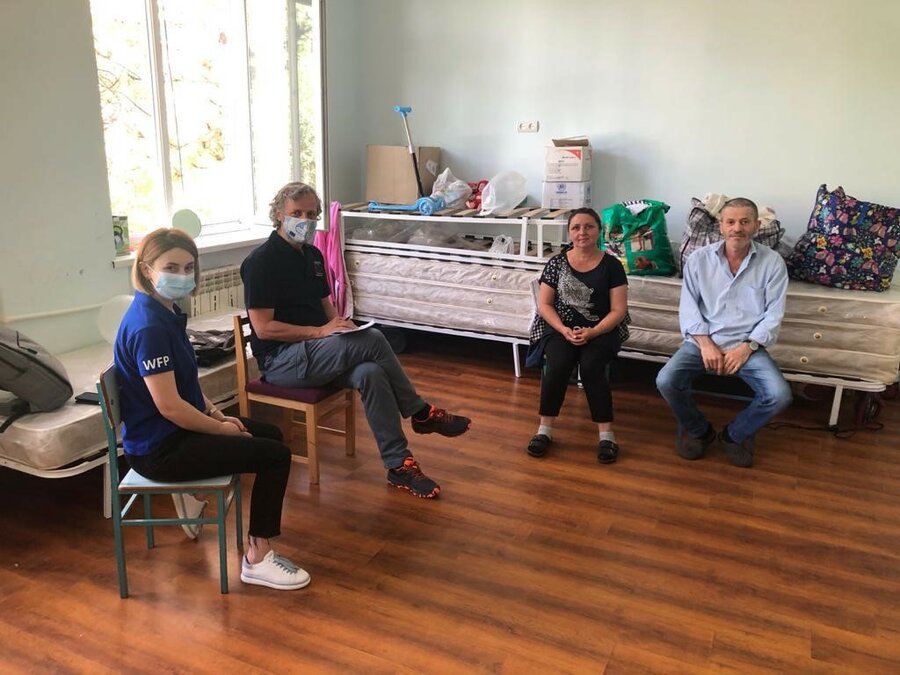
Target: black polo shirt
(292,282)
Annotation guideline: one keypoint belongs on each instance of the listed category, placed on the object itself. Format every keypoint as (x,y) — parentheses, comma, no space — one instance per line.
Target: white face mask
(299,230)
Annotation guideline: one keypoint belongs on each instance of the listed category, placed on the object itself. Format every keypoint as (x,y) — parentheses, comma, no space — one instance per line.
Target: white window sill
(211,243)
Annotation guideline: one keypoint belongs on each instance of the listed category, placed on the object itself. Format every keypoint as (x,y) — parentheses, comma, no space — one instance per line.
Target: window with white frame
(210,105)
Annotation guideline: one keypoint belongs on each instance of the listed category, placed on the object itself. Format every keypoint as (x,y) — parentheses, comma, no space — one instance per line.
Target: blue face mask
(299,230)
(174,286)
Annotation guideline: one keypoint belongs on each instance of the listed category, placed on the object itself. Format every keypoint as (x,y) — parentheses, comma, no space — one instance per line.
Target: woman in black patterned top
(583,297)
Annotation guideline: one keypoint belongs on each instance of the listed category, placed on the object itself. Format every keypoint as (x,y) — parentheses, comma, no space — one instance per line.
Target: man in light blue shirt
(732,303)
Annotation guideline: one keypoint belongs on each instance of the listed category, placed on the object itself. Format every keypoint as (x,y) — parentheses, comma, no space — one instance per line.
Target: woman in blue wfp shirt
(171,431)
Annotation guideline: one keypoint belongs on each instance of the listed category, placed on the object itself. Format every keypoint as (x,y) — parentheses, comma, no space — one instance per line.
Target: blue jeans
(771,392)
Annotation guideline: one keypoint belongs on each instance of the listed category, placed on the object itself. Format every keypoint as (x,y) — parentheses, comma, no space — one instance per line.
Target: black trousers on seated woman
(188,455)
(561,357)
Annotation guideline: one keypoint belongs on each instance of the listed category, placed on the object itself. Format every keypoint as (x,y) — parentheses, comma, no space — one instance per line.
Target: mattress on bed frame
(826,331)
(472,296)
(55,439)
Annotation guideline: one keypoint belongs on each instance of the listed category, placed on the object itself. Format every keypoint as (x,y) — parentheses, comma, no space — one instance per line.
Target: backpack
(28,371)
(211,346)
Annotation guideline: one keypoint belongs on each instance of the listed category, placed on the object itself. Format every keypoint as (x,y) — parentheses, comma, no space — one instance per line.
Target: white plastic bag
(504,192)
(454,191)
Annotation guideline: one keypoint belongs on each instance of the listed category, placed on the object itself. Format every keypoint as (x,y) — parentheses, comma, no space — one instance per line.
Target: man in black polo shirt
(298,341)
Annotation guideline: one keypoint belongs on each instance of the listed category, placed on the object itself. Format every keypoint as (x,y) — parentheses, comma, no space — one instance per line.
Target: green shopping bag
(639,240)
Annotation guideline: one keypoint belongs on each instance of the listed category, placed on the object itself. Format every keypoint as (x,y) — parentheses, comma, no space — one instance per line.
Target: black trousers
(561,357)
(188,455)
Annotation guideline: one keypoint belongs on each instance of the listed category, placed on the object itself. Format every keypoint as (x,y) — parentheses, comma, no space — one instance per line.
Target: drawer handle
(823,309)
(356,263)
(489,301)
(817,336)
(804,359)
(494,277)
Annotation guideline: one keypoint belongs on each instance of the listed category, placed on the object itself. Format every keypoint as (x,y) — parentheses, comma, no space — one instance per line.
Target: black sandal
(607,452)
(537,446)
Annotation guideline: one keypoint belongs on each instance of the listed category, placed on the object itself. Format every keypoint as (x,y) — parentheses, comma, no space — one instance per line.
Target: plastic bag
(453,190)
(503,243)
(636,234)
(504,192)
(702,227)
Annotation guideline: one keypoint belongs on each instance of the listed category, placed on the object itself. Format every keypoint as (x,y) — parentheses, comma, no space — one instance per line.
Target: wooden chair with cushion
(316,403)
(225,489)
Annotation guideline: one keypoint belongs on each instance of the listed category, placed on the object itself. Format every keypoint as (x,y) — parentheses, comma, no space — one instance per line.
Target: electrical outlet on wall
(528,127)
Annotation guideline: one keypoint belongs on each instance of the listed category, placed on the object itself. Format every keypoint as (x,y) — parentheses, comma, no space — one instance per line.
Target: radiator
(219,289)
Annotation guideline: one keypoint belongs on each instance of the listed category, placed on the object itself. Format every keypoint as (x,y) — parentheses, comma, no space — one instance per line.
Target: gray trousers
(364,361)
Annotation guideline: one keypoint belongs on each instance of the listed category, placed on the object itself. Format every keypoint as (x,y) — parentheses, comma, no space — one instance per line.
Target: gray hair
(294,190)
(741,203)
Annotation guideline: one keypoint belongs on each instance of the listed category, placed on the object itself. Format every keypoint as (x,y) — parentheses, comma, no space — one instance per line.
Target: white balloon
(110,316)
(188,221)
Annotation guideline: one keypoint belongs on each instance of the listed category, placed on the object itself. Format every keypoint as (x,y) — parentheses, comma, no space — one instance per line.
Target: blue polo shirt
(152,340)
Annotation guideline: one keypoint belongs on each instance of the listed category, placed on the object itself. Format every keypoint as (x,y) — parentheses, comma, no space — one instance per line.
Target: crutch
(404,111)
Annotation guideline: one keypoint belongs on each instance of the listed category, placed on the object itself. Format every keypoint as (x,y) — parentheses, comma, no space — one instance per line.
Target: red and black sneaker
(441,422)
(410,477)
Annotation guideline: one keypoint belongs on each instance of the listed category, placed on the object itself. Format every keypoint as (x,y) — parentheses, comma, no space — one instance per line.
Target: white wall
(57,247)
(345,105)
(761,98)
(54,201)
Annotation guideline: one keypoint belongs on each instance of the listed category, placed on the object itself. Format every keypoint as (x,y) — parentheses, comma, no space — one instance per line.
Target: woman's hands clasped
(579,336)
(232,426)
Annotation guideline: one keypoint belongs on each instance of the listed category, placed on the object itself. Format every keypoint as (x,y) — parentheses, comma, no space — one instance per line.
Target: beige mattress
(446,294)
(826,331)
(51,440)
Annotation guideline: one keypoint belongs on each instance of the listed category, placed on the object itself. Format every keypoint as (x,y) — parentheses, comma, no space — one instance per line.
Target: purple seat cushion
(303,395)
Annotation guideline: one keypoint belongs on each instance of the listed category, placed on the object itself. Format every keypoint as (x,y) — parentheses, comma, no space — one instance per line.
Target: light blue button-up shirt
(731,308)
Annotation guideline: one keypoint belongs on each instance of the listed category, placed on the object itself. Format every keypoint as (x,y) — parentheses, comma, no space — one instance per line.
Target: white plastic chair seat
(135,482)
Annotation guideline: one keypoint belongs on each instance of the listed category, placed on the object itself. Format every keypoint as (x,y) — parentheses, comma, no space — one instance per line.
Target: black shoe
(739,454)
(607,452)
(537,446)
(694,448)
(409,477)
(441,422)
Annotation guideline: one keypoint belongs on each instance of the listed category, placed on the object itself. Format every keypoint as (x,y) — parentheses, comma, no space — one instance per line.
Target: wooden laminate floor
(653,564)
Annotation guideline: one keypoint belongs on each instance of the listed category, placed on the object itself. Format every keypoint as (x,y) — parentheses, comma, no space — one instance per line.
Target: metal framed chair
(316,403)
(225,489)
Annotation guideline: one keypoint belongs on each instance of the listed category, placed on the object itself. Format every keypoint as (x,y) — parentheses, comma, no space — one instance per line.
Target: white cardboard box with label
(566,195)
(568,159)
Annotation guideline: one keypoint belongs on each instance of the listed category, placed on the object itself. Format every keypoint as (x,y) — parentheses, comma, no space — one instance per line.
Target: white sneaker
(187,506)
(274,571)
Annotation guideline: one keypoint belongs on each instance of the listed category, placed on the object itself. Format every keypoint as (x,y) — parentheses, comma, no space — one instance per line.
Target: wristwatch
(753,344)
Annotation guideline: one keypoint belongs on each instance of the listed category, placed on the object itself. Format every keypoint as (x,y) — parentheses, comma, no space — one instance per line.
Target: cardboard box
(569,159)
(566,195)
(389,173)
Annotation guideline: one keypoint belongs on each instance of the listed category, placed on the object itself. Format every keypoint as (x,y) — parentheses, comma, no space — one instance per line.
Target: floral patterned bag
(848,243)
